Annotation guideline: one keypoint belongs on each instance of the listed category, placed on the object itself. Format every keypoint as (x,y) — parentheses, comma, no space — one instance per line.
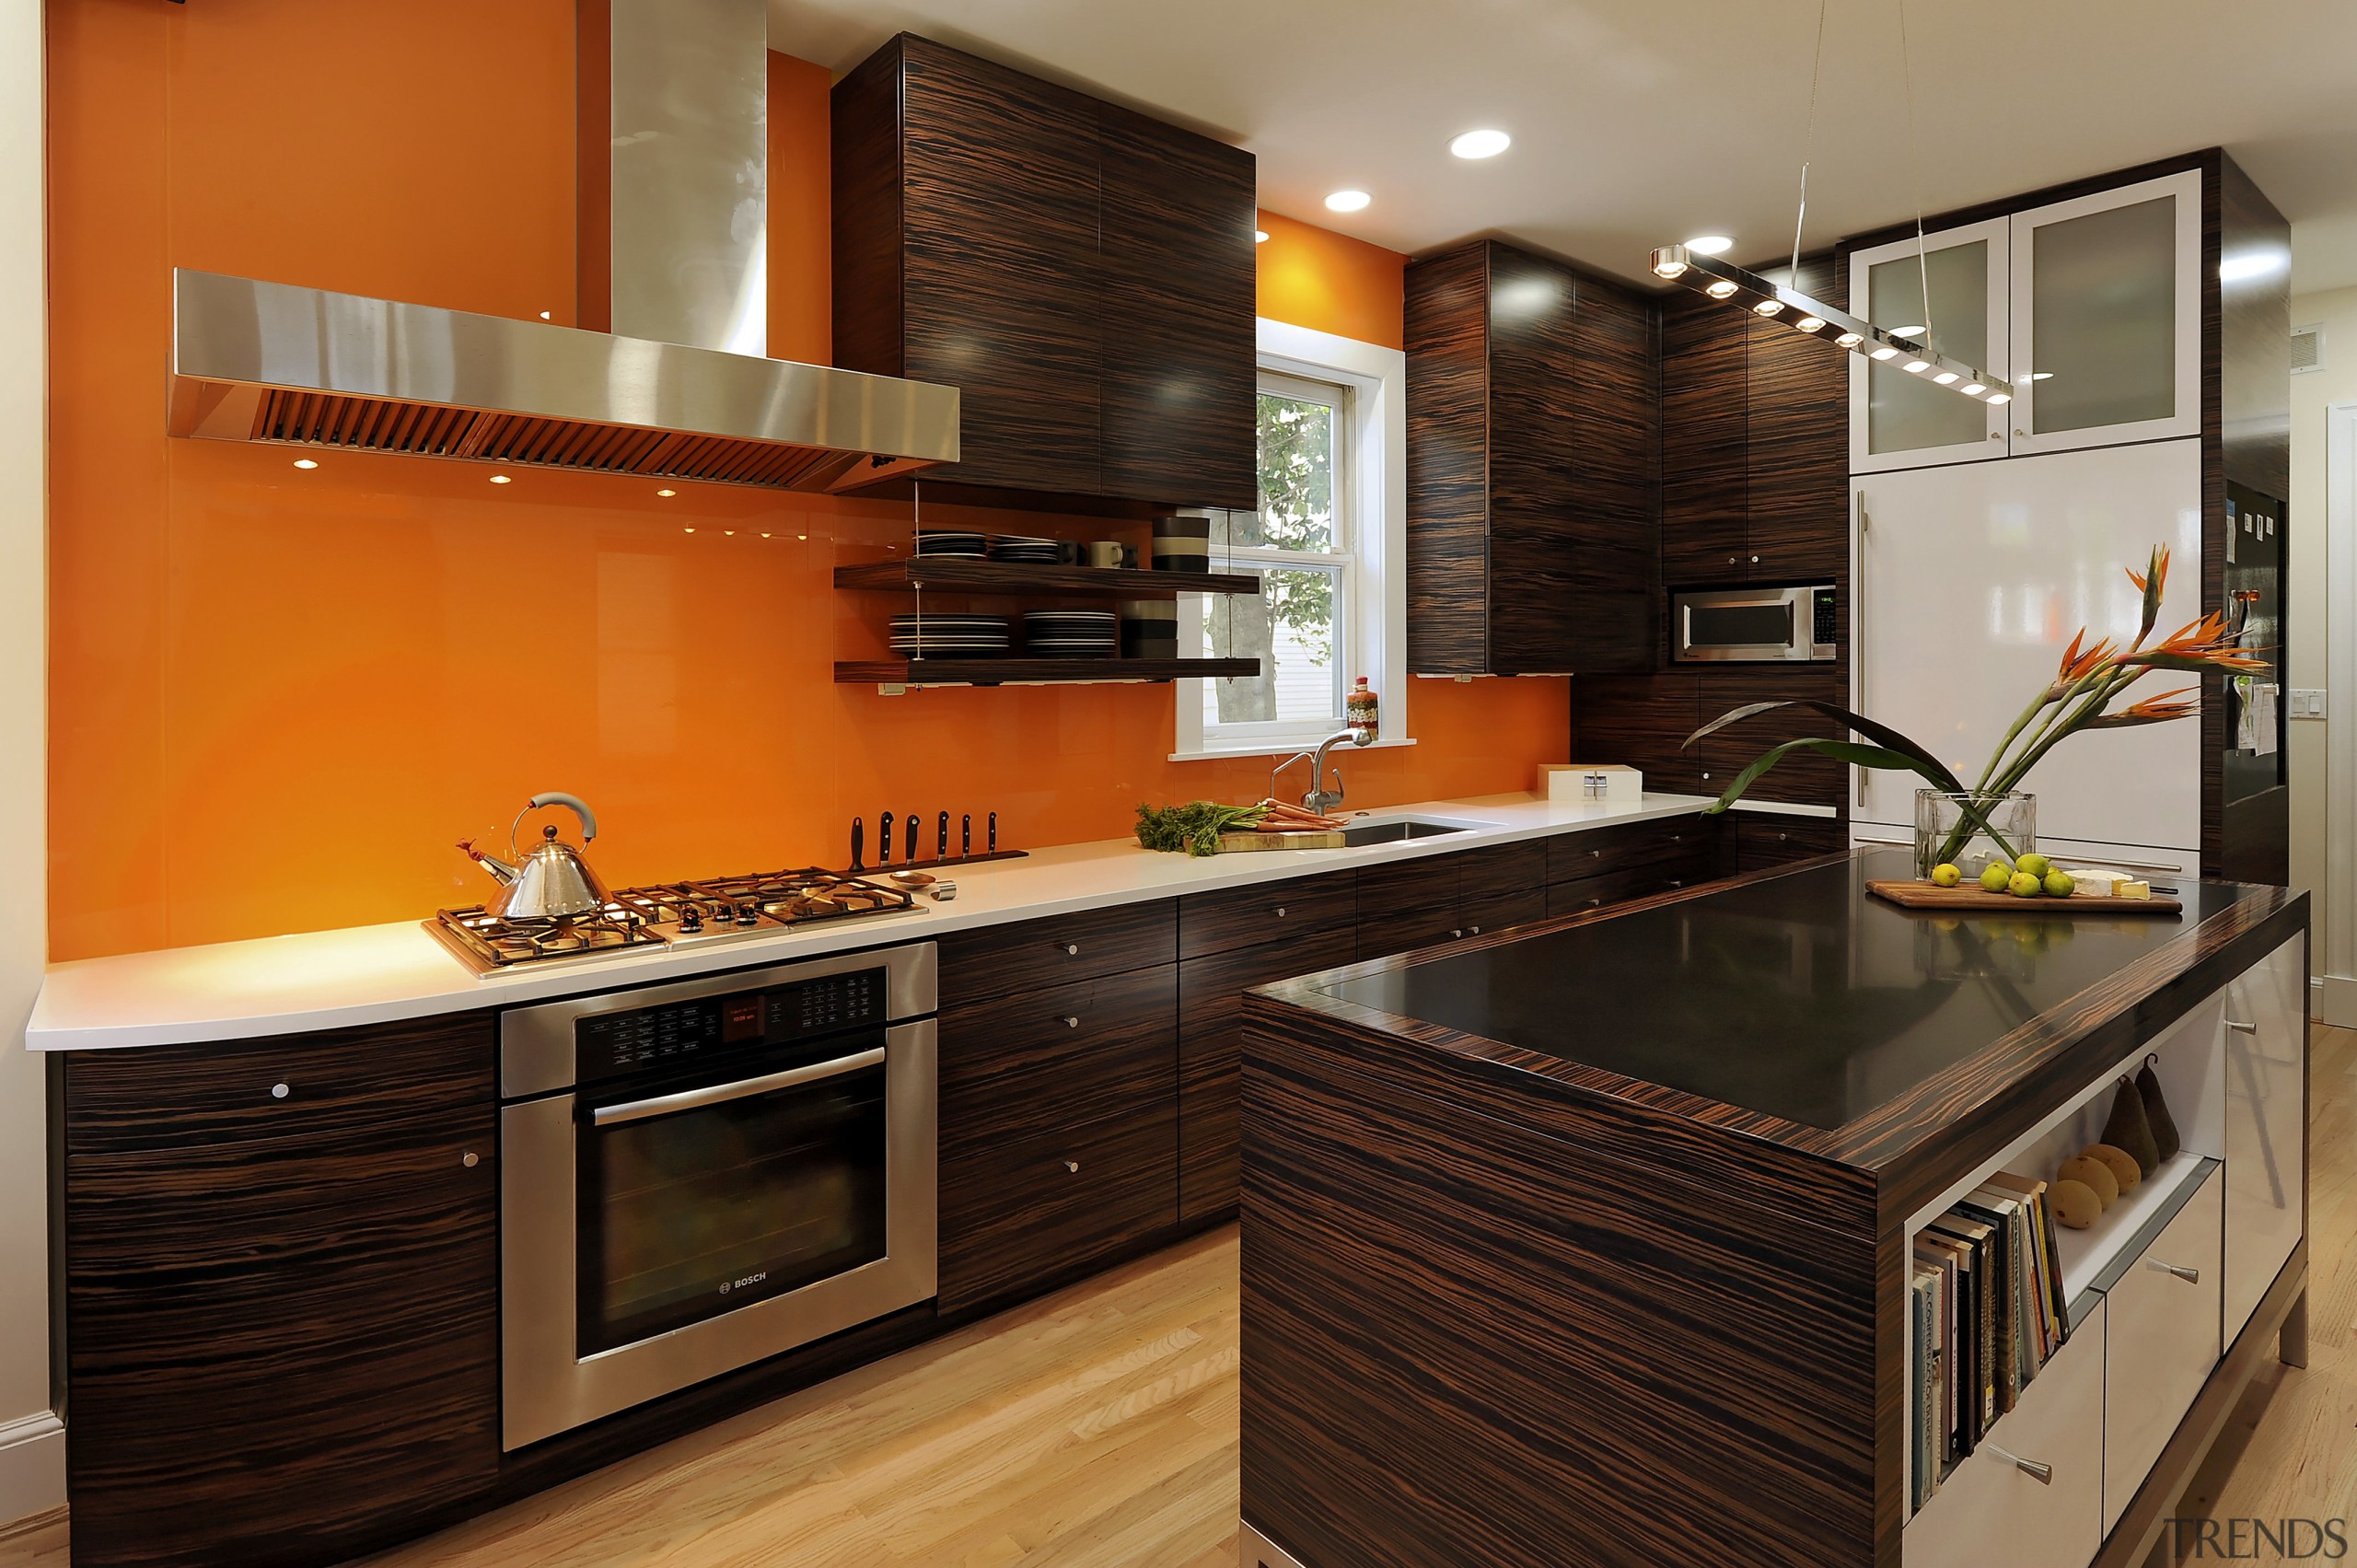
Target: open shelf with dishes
(1134,641)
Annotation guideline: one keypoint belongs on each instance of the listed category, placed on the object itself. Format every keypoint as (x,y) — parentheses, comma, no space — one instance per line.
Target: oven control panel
(607,1044)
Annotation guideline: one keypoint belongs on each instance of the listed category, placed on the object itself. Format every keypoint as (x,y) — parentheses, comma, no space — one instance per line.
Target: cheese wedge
(2095,884)
(2133,890)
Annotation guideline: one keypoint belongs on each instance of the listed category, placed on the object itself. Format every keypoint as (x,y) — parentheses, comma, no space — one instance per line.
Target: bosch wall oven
(699,1175)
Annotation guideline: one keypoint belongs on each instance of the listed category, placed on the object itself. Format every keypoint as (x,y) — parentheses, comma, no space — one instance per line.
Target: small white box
(1592,783)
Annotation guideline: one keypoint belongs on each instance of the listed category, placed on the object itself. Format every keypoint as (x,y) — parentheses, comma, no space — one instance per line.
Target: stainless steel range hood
(684,236)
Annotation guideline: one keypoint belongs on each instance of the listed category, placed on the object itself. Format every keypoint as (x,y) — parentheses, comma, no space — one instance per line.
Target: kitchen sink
(1401,829)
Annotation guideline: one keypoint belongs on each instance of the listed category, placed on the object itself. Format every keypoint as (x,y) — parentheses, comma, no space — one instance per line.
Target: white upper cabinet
(2107,318)
(2091,307)
(1898,421)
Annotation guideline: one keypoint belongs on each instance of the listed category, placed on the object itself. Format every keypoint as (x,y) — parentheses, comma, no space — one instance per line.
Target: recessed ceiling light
(1480,144)
(666,493)
(307,462)
(1259,237)
(501,479)
(1348,201)
(1711,243)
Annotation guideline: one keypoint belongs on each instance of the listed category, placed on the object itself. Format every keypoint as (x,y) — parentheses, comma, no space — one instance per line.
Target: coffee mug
(1105,553)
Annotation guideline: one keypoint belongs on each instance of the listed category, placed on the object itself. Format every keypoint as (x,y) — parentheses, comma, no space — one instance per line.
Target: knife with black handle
(994,832)
(859,840)
(966,837)
(912,856)
(941,841)
(884,840)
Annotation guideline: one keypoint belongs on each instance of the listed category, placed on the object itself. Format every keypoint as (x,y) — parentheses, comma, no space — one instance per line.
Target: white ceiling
(1638,123)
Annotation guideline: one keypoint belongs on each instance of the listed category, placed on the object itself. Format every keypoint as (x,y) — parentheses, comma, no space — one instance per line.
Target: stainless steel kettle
(553,882)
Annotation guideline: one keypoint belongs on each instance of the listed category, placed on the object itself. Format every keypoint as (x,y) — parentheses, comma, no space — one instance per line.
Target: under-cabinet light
(1695,268)
(502,479)
(307,462)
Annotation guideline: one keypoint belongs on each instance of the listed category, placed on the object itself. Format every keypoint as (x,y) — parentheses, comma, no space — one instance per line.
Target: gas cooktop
(676,914)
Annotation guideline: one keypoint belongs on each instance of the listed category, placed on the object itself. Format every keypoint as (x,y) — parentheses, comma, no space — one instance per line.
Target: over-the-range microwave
(1752,625)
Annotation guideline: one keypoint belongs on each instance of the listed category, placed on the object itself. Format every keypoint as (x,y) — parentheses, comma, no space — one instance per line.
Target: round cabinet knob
(1281,911)
(1072,1020)
(470,1160)
(1073,1166)
(1755,561)
(1595,903)
(279,1091)
(1072,949)
(1996,435)
(1474,930)
(1459,931)
(2175,1271)
(1596,854)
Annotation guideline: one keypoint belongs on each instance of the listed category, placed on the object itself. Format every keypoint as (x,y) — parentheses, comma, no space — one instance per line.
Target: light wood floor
(1097,1429)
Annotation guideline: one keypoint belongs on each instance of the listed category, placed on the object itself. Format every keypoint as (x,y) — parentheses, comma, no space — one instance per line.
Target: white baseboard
(2335,1001)
(32,1465)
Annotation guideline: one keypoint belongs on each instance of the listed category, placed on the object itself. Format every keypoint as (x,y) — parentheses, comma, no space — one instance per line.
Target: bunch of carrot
(1277,816)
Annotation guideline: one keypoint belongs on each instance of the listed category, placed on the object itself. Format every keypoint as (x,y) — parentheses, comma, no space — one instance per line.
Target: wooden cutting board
(1328,839)
(1974,899)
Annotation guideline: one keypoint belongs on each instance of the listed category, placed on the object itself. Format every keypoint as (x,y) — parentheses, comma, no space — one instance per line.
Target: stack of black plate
(949,636)
(940,542)
(1022,547)
(1071,634)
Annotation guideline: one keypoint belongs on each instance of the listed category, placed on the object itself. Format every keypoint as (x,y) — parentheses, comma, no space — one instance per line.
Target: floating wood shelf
(1008,671)
(960,574)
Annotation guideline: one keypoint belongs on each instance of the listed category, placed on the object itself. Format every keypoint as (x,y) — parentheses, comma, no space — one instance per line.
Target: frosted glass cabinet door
(2107,316)
(1898,421)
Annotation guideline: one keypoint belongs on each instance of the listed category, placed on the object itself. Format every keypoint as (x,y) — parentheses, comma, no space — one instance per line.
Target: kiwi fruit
(2129,1131)
(2157,1112)
(2074,1203)
(2092,1173)
(2122,1164)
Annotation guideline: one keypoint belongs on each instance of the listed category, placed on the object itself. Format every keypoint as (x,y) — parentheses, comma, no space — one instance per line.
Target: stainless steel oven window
(551,1383)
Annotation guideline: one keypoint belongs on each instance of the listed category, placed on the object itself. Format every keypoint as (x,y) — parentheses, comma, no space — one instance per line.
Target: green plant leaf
(1922,760)
(1848,751)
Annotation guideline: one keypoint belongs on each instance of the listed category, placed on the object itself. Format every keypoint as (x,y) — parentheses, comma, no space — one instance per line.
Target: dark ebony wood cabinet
(282,1337)
(1534,428)
(1083,274)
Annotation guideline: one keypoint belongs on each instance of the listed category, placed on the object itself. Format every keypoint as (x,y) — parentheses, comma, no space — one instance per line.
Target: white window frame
(1371,527)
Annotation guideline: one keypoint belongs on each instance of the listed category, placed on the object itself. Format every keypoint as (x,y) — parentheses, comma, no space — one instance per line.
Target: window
(1332,517)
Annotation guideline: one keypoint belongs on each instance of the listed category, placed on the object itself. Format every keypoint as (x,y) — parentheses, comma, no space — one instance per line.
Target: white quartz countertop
(375,974)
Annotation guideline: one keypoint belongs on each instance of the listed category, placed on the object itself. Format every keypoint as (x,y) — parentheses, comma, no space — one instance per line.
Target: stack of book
(1988,1313)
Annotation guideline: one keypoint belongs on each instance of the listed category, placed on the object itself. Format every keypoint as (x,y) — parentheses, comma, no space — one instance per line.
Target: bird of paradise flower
(2079,698)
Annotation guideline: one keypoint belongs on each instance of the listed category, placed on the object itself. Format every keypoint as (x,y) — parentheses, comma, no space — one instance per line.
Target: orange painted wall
(278,696)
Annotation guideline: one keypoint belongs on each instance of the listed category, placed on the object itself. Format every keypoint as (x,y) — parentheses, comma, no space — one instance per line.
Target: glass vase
(1969,830)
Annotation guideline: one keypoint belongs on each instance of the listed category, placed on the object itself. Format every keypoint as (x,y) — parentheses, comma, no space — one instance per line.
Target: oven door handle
(720,1094)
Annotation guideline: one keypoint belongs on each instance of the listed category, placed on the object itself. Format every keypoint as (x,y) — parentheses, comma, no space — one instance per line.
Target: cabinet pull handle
(1474,929)
(470,1160)
(2042,1474)
(1595,903)
(1072,949)
(2178,1270)
(1073,1166)
(2240,1027)
(1072,1020)
(279,1091)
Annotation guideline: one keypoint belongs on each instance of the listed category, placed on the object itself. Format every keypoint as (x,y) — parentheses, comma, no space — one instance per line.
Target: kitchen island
(1588,1242)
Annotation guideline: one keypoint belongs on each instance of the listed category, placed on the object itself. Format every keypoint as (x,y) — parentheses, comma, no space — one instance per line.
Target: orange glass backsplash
(279,696)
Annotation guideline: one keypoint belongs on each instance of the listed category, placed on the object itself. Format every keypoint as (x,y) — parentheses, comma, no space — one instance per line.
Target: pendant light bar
(1772,301)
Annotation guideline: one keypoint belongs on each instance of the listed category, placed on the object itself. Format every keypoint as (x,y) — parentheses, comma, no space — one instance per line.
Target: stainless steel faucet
(1320,799)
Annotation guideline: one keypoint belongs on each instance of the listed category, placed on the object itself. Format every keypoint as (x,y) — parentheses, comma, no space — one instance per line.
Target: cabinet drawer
(1408,887)
(1574,856)
(1502,909)
(1990,1510)
(1405,931)
(1291,910)
(1502,869)
(1002,959)
(1616,887)
(2267,1103)
(1029,1063)
(2161,1344)
(1021,1213)
(1762,841)
(344,1080)
(1210,1057)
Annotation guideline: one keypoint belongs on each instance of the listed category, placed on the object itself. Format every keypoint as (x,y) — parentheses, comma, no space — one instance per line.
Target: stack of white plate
(1072,633)
(1022,547)
(942,541)
(949,636)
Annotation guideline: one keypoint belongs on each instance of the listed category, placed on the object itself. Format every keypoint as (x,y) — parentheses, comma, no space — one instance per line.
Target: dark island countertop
(1798,1006)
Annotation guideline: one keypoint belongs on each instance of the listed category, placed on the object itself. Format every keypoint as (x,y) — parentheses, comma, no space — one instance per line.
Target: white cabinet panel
(1990,1510)
(2267,1056)
(1969,582)
(2160,1344)
(1898,421)
(2107,318)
